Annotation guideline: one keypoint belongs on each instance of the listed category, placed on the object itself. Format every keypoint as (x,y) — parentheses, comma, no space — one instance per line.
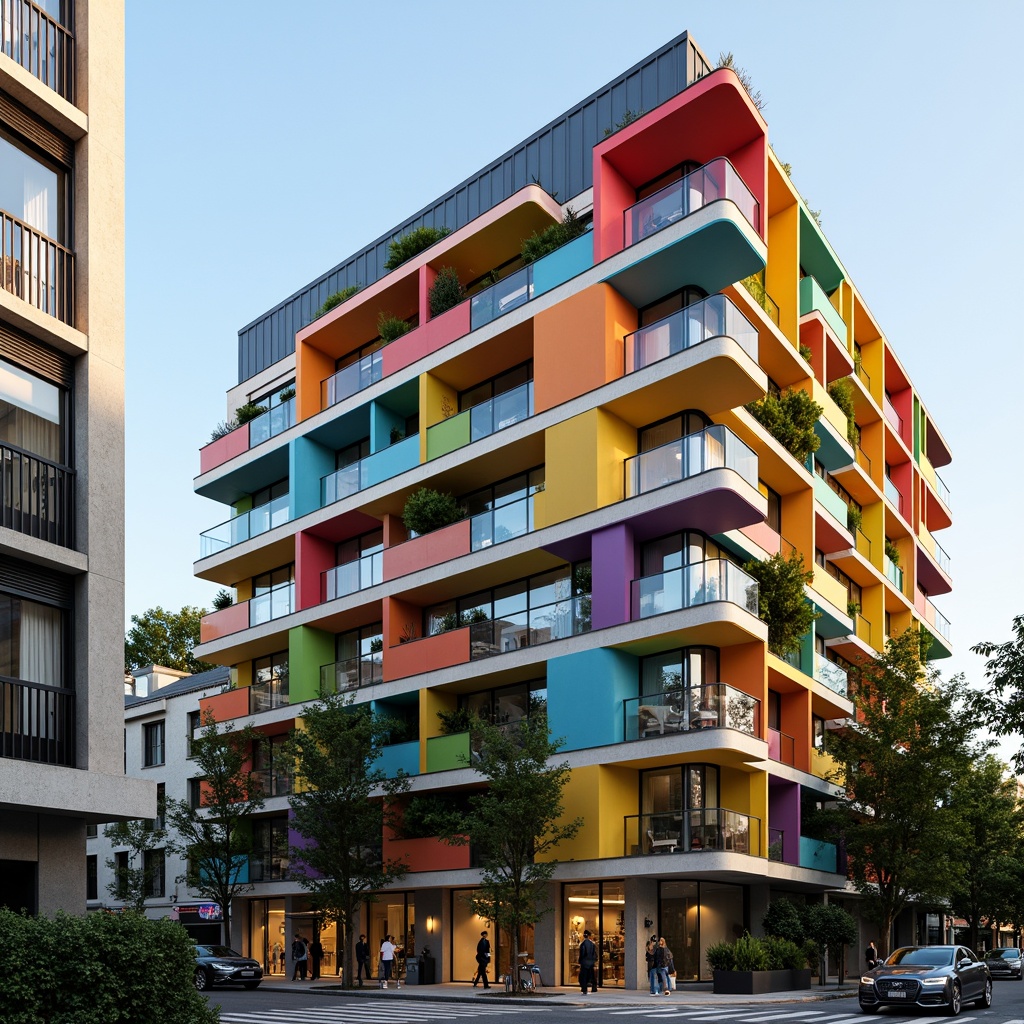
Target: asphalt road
(266,1006)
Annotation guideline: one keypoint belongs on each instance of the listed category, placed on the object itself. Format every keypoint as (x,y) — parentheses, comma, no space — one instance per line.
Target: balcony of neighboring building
(40,40)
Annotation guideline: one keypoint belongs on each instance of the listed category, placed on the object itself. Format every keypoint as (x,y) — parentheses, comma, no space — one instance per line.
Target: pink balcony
(427,338)
(429,549)
(225,448)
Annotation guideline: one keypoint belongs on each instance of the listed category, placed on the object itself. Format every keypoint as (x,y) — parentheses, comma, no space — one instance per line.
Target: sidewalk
(694,994)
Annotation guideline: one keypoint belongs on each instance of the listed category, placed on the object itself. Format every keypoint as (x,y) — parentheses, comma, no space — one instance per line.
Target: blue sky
(266,142)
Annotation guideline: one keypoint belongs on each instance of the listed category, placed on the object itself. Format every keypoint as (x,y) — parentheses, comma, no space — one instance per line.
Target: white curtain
(40,661)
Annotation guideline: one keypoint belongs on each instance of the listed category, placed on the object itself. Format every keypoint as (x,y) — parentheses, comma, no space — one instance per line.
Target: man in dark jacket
(483,958)
(588,961)
(362,959)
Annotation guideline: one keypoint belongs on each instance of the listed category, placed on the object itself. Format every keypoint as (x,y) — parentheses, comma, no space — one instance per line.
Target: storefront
(202,921)
(597,907)
(693,915)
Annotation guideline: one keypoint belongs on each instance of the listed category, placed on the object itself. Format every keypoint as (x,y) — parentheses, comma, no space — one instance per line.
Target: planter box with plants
(751,966)
(426,339)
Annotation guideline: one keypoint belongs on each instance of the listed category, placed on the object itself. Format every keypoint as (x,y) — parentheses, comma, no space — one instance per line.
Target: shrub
(782,919)
(854,517)
(415,241)
(454,722)
(790,419)
(428,814)
(445,292)
(721,956)
(98,969)
(841,392)
(222,430)
(811,954)
(782,954)
(627,118)
(750,954)
(287,394)
(892,552)
(541,243)
(336,299)
(454,620)
(781,601)
(221,600)
(396,434)
(805,353)
(390,327)
(249,411)
(427,509)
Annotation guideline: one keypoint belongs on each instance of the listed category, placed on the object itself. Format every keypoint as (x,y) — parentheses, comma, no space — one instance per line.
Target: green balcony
(813,299)
(447,752)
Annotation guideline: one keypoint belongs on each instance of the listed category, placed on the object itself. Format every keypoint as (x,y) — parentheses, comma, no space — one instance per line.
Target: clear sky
(268,141)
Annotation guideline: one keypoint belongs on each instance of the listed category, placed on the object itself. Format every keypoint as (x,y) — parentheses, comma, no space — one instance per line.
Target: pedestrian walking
(871,955)
(588,961)
(483,958)
(362,959)
(670,965)
(299,957)
(387,960)
(316,954)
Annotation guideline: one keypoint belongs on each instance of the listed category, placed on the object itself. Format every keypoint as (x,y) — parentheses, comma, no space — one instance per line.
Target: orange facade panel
(427,654)
(428,854)
(224,622)
(227,705)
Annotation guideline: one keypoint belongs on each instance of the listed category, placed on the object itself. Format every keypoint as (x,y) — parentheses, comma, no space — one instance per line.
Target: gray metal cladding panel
(558,156)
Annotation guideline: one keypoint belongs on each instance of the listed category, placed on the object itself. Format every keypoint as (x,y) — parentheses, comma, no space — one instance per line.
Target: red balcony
(429,549)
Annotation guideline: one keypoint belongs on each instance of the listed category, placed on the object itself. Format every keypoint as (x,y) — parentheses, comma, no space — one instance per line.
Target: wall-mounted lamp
(648,922)
(430,925)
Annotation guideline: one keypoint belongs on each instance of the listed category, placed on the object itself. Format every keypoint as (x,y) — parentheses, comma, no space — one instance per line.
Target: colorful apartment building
(61,446)
(588,409)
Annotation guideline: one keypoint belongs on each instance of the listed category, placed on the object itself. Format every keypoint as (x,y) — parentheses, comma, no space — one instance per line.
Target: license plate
(897,995)
(247,974)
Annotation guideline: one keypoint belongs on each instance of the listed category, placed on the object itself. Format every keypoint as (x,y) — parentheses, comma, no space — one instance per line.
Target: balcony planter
(745,983)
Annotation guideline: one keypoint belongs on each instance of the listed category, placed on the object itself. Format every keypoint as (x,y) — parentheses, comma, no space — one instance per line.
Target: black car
(927,976)
(1005,962)
(220,965)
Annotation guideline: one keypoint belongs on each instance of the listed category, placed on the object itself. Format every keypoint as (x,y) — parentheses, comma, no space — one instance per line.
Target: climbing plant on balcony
(841,392)
(790,418)
(411,243)
(782,604)
(540,243)
(427,509)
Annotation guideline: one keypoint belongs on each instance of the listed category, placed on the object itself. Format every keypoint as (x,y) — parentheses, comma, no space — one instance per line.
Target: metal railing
(691,831)
(541,625)
(244,526)
(351,674)
(352,379)
(715,579)
(353,576)
(713,317)
(36,268)
(40,44)
(37,496)
(717,179)
(714,447)
(37,722)
(709,706)
(942,490)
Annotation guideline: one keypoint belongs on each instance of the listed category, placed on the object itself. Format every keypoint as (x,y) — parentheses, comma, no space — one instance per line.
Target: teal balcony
(831,501)
(388,462)
(814,300)
(711,706)
(701,583)
(715,447)
(398,757)
(819,855)
(893,573)
(244,526)
(713,317)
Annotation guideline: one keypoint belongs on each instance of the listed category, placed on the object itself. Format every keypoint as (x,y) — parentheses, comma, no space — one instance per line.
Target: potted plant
(427,509)
(752,966)
(390,327)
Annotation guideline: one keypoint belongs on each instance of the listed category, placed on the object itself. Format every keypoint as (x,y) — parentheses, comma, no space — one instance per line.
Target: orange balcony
(224,622)
(227,705)
(427,854)
(427,654)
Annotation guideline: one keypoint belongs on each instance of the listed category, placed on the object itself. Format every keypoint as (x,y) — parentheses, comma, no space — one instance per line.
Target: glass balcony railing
(781,747)
(713,317)
(776,842)
(863,461)
(830,674)
(717,179)
(352,379)
(274,604)
(353,576)
(266,696)
(894,418)
(942,490)
(942,557)
(501,298)
(715,447)
(892,493)
(893,573)
(692,831)
(540,625)
(244,526)
(351,674)
(273,782)
(935,618)
(366,472)
(500,524)
(701,583)
(710,706)
(271,423)
(501,411)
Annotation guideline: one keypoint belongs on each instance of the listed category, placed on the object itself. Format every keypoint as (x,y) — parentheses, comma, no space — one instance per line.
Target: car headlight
(223,967)
(933,981)
(867,980)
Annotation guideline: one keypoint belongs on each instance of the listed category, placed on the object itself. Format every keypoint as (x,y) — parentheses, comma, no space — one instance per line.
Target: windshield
(996,954)
(927,956)
(216,951)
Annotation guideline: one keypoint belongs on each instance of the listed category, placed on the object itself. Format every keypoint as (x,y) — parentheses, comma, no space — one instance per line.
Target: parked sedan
(927,976)
(1005,962)
(220,965)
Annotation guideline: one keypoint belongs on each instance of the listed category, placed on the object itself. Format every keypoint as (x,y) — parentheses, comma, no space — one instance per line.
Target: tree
(340,808)
(985,799)
(133,882)
(789,418)
(782,603)
(215,839)
(898,763)
(516,824)
(1001,704)
(160,637)
(832,929)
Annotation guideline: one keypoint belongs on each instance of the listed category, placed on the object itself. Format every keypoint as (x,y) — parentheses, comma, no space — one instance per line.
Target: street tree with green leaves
(341,806)
(899,761)
(168,638)
(1001,703)
(990,864)
(516,824)
(215,839)
(782,601)
(133,881)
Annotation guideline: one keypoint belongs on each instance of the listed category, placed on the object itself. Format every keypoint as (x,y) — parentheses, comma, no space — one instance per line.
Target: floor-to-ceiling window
(597,907)
(694,915)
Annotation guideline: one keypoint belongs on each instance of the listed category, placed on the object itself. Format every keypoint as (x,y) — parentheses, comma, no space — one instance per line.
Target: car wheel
(986,996)
(868,1009)
(202,980)
(954,1000)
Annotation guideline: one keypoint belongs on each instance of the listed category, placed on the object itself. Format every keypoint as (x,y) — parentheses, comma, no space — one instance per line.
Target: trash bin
(428,967)
(412,971)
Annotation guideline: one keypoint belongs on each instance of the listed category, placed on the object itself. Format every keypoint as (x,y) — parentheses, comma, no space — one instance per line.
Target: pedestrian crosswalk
(375,1012)
(751,1015)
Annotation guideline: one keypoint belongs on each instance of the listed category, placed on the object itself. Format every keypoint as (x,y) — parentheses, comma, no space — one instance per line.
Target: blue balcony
(383,465)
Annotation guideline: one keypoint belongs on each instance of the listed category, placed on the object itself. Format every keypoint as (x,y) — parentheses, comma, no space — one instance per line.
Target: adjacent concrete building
(61,446)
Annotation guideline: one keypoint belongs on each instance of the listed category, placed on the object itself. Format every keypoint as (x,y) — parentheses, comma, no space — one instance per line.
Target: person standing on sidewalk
(588,961)
(316,954)
(299,956)
(362,959)
(387,960)
(670,965)
(660,967)
(483,958)
(652,974)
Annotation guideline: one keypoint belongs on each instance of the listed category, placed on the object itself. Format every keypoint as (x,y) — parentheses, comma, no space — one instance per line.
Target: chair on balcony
(659,717)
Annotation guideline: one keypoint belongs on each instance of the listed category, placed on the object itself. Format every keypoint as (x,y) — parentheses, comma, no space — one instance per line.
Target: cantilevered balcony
(713,317)
(715,579)
(37,269)
(830,674)
(352,379)
(717,179)
(351,674)
(37,496)
(244,526)
(38,42)
(711,706)
(37,722)
(715,447)
(480,421)
(353,576)
(692,831)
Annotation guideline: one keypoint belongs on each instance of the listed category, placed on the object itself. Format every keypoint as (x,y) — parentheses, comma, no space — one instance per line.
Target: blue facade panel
(578,683)
(563,264)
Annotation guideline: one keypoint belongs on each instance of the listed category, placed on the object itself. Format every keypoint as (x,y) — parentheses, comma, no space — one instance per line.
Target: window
(818,732)
(269,508)
(507,704)
(670,304)
(92,890)
(272,765)
(121,874)
(161,806)
(195,728)
(273,594)
(503,510)
(195,792)
(359,563)
(33,414)
(774,515)
(34,192)
(152,744)
(358,660)
(269,860)
(153,867)
(270,682)
(91,831)
(774,710)
(693,421)
(32,647)
(498,385)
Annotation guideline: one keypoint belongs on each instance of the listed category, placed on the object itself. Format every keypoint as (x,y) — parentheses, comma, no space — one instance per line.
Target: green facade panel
(308,649)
